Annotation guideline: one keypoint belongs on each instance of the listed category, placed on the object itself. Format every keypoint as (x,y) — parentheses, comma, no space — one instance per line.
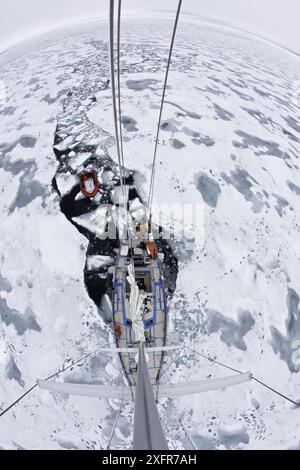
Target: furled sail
(135,304)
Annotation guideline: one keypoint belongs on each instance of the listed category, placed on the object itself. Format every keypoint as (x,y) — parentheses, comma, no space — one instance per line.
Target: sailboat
(139,318)
(139,306)
(139,310)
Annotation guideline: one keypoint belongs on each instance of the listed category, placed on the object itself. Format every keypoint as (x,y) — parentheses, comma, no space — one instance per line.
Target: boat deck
(149,277)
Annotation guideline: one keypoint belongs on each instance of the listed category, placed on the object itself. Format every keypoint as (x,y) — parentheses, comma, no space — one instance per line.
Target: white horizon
(35,34)
(276,22)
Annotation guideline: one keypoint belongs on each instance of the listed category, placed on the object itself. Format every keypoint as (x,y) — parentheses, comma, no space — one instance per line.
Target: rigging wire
(215,361)
(100,371)
(119,79)
(18,400)
(297,404)
(187,434)
(151,188)
(74,363)
(122,374)
(120,113)
(117,113)
(169,365)
(183,427)
(116,420)
(276,391)
(113,86)
(164,371)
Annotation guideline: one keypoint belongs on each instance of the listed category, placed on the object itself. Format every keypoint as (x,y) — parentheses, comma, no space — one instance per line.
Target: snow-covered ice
(230,141)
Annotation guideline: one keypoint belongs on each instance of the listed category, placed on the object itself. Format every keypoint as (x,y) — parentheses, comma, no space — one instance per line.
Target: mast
(148,432)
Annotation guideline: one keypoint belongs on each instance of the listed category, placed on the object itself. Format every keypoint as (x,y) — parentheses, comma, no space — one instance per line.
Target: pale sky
(276,20)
